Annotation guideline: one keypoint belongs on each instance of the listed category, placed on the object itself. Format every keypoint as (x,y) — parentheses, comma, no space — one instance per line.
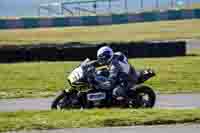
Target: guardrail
(99,20)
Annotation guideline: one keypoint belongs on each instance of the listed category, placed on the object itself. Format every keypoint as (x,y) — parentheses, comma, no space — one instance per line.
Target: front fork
(78,99)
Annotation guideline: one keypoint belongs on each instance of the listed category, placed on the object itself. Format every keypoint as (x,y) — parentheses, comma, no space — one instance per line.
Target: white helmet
(104,55)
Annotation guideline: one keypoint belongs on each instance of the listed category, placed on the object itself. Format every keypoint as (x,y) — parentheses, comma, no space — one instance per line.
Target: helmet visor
(104,58)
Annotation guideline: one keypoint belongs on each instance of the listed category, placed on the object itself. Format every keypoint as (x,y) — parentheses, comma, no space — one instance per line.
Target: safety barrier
(99,20)
(78,51)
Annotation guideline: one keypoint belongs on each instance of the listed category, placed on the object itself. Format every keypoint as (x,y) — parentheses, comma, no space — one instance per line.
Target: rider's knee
(119,92)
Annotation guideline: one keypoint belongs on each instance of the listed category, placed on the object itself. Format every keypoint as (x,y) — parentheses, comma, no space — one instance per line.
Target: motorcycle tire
(58,98)
(142,89)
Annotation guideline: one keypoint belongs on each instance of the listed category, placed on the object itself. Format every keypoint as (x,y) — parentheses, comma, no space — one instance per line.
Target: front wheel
(58,102)
(144,97)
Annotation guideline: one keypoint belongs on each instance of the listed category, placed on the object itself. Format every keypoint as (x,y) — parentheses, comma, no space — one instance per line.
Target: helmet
(104,55)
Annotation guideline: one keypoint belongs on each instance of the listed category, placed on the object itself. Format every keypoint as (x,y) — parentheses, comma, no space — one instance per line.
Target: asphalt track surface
(176,101)
(192,44)
(136,129)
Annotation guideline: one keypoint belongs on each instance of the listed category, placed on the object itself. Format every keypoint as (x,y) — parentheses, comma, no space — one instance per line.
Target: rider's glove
(91,70)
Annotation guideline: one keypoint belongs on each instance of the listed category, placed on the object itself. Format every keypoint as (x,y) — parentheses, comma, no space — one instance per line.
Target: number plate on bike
(96,96)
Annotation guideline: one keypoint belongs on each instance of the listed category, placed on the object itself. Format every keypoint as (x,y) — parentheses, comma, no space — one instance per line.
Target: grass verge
(164,30)
(174,75)
(11,121)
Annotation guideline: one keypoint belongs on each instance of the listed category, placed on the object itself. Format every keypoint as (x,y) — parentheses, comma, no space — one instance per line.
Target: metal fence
(96,7)
(84,7)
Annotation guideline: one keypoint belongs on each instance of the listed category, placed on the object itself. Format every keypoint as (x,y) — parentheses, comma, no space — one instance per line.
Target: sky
(30,7)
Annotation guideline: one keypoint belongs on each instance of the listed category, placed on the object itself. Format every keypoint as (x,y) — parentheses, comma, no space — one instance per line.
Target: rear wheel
(144,97)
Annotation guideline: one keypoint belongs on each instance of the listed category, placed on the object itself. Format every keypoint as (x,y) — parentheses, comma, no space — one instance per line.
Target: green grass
(32,79)
(164,30)
(174,75)
(195,6)
(11,121)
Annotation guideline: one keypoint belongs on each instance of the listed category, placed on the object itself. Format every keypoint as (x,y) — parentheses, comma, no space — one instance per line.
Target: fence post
(126,6)
(109,4)
(141,4)
(157,4)
(172,3)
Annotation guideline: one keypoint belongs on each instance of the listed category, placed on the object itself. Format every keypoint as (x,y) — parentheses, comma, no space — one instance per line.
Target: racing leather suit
(122,76)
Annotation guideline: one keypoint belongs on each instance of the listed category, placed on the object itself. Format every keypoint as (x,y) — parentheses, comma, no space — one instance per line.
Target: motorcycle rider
(122,76)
